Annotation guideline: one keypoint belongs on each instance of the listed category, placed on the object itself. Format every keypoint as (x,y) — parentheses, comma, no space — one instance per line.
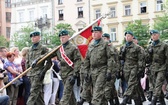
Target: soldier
(70,61)
(140,89)
(36,51)
(158,54)
(132,55)
(99,65)
(110,91)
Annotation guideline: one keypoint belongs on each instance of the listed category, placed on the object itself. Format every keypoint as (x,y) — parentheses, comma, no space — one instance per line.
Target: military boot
(137,102)
(149,96)
(129,101)
(116,101)
(161,101)
(81,101)
(166,95)
(125,99)
(154,100)
(111,102)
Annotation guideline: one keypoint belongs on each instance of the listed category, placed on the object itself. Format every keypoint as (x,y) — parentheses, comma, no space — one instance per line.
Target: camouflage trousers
(68,95)
(110,91)
(86,91)
(98,81)
(36,96)
(131,79)
(158,81)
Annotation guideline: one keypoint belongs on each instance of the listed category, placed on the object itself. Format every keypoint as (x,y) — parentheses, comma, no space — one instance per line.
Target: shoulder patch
(109,44)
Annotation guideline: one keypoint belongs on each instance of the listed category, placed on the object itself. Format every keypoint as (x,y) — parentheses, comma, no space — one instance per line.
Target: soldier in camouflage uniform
(68,73)
(99,65)
(35,52)
(158,55)
(110,91)
(132,55)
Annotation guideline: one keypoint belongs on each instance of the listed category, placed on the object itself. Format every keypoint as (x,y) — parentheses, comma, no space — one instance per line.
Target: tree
(22,39)
(161,23)
(140,31)
(55,41)
(4,41)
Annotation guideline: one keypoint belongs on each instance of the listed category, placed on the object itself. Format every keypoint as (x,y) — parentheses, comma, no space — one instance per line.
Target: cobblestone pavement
(144,103)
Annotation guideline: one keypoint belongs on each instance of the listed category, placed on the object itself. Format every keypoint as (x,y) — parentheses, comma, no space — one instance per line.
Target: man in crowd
(99,65)
(157,53)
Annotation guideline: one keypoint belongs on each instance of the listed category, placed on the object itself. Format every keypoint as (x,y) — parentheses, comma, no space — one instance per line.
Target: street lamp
(41,23)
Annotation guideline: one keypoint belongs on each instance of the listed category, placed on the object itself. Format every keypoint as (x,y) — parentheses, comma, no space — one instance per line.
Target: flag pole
(54,50)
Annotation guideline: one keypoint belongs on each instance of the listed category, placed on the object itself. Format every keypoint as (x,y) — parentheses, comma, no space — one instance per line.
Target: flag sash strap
(66,59)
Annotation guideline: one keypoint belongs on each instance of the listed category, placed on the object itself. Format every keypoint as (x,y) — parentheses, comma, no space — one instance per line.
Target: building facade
(5,18)
(124,11)
(74,12)
(37,13)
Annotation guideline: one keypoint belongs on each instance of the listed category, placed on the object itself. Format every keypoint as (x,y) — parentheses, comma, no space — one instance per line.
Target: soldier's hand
(72,80)
(34,63)
(141,74)
(87,78)
(108,76)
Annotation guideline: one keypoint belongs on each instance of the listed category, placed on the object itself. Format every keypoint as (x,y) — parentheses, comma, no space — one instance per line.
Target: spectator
(12,90)
(4,100)
(26,82)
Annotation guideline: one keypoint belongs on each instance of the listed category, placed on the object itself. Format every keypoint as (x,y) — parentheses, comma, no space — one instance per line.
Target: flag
(84,38)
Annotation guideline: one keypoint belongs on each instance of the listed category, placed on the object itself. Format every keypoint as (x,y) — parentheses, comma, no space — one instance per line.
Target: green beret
(129,32)
(36,33)
(154,32)
(106,35)
(63,33)
(96,28)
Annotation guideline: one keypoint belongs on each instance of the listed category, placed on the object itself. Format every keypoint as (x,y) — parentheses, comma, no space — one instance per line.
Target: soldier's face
(155,36)
(129,38)
(35,39)
(135,41)
(96,35)
(64,39)
(106,39)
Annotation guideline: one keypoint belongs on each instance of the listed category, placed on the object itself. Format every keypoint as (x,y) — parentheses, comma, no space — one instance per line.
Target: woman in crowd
(26,82)
(12,90)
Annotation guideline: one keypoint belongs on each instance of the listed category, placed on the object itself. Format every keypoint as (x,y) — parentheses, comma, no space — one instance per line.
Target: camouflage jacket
(99,58)
(36,54)
(133,58)
(73,54)
(159,56)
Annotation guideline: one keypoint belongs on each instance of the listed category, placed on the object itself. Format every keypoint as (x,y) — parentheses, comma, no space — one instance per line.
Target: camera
(3,73)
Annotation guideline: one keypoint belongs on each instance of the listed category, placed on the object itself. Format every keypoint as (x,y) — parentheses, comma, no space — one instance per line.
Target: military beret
(63,33)
(154,32)
(128,32)
(96,28)
(106,35)
(36,33)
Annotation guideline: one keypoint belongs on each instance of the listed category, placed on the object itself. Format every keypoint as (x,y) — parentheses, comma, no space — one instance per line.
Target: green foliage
(4,41)
(140,31)
(22,39)
(161,23)
(55,41)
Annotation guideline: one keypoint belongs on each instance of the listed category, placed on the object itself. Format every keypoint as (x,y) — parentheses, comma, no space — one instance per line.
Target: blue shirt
(10,64)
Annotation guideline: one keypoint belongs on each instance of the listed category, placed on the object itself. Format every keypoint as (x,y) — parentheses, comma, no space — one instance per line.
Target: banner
(84,38)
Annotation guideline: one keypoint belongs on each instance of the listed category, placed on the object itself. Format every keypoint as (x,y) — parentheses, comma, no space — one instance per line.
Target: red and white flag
(85,37)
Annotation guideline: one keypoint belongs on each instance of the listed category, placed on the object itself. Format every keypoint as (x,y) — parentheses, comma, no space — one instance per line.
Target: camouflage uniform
(99,61)
(158,54)
(110,90)
(133,65)
(35,52)
(67,72)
